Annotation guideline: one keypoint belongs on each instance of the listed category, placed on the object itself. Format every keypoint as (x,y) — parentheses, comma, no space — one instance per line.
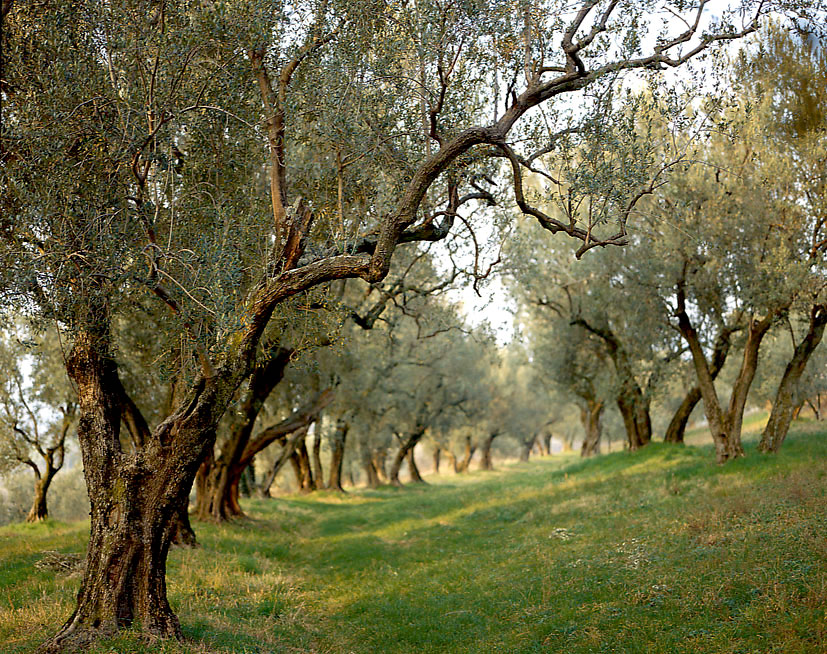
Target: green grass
(655,551)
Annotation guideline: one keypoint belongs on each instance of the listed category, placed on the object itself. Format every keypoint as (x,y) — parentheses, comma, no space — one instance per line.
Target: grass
(654,551)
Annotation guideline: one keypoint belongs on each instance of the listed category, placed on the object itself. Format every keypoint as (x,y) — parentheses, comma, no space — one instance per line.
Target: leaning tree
(222,159)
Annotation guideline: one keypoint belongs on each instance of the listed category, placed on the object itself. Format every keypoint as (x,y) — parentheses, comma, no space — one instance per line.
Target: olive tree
(222,159)
(37,412)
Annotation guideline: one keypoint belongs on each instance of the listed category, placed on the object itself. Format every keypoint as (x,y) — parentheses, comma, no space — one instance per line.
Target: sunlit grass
(654,551)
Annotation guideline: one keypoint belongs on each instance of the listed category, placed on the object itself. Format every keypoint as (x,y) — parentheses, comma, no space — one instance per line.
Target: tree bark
(468,454)
(296,424)
(380,464)
(307,482)
(677,426)
(784,405)
(406,444)
(39,510)
(437,452)
(218,497)
(53,457)
(525,448)
(631,400)
(288,451)
(485,462)
(634,409)
(416,478)
(543,444)
(183,534)
(590,416)
(337,455)
(724,427)
(370,469)
(318,471)
(135,496)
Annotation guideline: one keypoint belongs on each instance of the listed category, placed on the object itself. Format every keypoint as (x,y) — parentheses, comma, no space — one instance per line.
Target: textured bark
(296,424)
(287,454)
(590,416)
(380,464)
(247,483)
(485,462)
(136,496)
(634,409)
(370,469)
(183,534)
(53,457)
(756,331)
(726,445)
(785,403)
(337,455)
(39,510)
(306,481)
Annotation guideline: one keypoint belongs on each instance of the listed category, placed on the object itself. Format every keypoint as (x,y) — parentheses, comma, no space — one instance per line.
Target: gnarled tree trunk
(525,447)
(39,510)
(135,496)
(306,481)
(634,409)
(784,405)
(631,400)
(370,469)
(380,464)
(292,430)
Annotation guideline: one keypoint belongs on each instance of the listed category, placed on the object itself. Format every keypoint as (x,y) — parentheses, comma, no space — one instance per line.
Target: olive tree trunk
(337,455)
(468,454)
(631,400)
(407,443)
(590,416)
(784,405)
(217,497)
(136,496)
(677,426)
(485,462)
(413,469)
(725,427)
(318,471)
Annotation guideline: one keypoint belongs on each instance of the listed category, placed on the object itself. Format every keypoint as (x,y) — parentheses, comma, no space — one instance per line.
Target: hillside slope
(655,551)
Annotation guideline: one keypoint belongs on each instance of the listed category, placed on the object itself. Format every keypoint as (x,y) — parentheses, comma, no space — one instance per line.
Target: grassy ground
(656,551)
